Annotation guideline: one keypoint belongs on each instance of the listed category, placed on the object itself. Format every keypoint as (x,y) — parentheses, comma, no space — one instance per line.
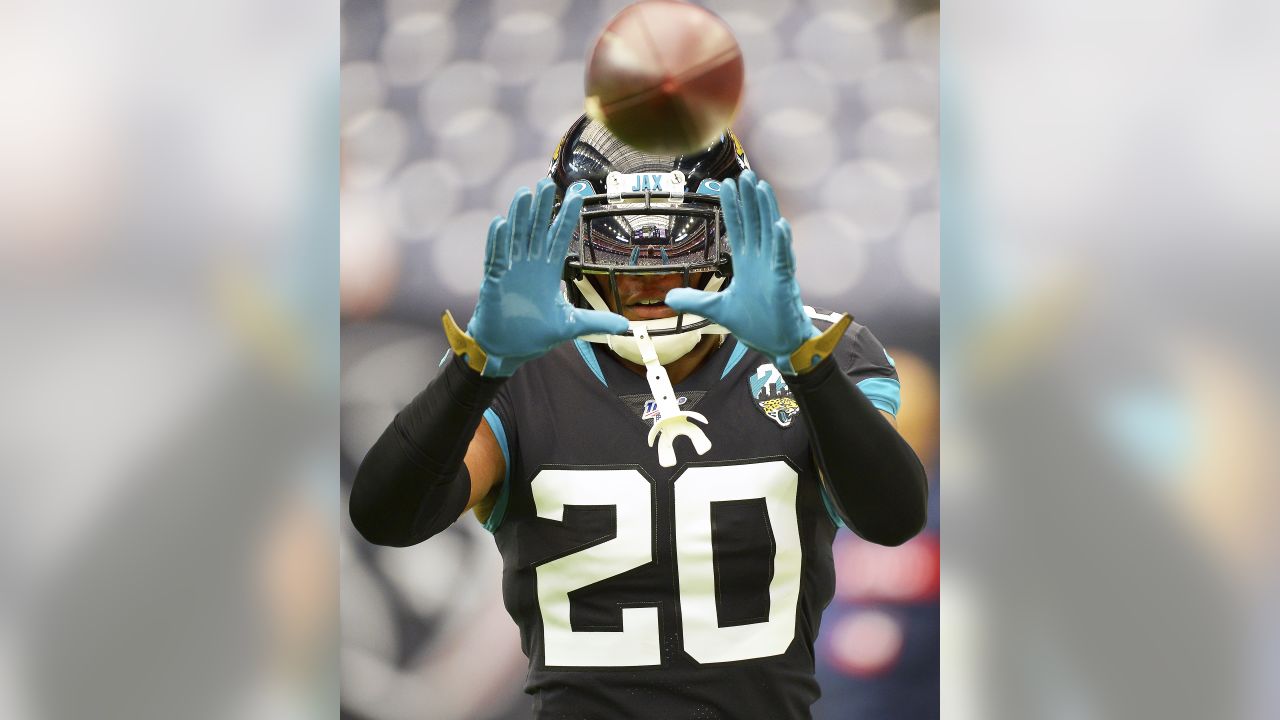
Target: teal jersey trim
(738,351)
(831,508)
(584,349)
(884,393)
(500,507)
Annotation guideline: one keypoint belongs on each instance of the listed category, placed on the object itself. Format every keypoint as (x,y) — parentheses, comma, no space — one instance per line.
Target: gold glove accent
(817,348)
(463,344)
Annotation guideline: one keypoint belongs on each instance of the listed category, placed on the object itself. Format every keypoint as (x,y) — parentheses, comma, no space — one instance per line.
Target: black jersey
(642,591)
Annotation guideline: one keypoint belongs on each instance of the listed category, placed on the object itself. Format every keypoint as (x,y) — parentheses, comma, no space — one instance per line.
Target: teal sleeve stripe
(884,393)
(584,349)
(500,507)
(831,509)
(738,351)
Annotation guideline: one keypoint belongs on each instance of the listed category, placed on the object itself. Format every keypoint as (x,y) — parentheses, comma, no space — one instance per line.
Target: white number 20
(630,494)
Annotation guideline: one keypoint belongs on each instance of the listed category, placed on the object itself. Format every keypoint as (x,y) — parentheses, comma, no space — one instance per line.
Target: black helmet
(646,213)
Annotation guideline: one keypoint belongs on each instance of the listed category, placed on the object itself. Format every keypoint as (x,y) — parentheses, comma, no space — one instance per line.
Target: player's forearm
(869,471)
(412,484)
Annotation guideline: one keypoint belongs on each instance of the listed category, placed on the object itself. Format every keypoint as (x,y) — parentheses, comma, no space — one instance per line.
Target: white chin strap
(669,348)
(653,353)
(672,422)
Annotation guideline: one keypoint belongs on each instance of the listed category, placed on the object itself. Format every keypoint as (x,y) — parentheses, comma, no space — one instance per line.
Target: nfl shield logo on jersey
(772,395)
(651,408)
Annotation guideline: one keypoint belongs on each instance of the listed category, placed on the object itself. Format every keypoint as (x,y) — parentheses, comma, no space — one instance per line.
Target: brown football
(665,76)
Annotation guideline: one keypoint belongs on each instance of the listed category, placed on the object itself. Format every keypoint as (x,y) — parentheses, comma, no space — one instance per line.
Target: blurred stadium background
(447,107)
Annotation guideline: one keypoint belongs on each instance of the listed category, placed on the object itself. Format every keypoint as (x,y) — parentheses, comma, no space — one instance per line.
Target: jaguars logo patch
(772,395)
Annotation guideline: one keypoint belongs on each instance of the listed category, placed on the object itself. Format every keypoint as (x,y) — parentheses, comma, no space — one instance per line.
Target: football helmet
(645,214)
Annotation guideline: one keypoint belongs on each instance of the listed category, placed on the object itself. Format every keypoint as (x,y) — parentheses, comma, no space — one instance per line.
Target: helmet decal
(737,146)
(555,154)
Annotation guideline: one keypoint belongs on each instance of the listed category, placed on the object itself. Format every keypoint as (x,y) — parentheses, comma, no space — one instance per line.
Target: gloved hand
(761,306)
(521,313)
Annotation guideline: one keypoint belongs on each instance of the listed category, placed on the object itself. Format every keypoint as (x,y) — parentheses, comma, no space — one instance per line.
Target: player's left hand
(761,306)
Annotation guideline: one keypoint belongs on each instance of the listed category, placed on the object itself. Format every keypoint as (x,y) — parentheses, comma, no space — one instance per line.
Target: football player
(664,449)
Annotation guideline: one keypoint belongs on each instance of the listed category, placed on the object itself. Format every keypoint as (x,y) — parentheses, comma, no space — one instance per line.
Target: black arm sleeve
(412,484)
(869,471)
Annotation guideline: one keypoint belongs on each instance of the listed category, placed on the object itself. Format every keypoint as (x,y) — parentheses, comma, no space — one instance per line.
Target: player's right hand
(521,313)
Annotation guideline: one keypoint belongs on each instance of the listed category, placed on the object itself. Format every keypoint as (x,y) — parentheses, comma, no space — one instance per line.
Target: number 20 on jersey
(696,488)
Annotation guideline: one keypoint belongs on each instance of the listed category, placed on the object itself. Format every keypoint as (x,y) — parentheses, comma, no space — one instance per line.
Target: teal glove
(521,313)
(761,306)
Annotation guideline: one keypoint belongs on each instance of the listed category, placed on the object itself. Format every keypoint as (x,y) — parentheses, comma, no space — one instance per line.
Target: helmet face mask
(651,234)
(638,219)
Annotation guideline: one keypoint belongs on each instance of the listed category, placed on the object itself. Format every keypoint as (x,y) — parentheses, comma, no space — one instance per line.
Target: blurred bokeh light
(1110,501)
(168,265)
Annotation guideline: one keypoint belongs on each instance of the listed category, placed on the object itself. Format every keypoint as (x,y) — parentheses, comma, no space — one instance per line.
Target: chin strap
(672,422)
(815,349)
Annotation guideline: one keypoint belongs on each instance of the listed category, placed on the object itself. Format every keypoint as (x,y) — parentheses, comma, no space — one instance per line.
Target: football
(665,76)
